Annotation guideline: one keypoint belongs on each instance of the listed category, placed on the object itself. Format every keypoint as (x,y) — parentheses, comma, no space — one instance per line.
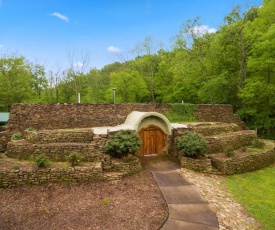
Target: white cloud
(203,29)
(60,16)
(114,49)
(1,46)
(78,64)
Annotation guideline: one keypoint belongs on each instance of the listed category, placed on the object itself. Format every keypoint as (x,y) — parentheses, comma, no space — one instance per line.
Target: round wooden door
(153,140)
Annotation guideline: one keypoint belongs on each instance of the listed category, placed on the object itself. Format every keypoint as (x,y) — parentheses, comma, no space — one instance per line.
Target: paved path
(187,207)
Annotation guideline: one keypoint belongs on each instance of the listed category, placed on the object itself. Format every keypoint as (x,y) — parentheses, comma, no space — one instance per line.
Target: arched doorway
(153,140)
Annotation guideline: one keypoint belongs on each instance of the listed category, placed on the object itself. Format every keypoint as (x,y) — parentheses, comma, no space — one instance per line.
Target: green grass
(256,191)
(180,112)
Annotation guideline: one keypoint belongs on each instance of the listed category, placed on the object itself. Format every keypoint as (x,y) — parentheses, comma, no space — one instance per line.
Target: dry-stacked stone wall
(200,165)
(246,163)
(221,113)
(63,116)
(4,138)
(69,116)
(60,135)
(230,141)
(12,178)
(92,151)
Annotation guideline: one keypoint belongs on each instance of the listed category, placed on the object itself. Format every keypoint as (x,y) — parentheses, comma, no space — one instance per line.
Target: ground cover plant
(256,190)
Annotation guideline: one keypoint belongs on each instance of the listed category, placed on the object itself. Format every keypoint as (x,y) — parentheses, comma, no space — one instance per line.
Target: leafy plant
(192,144)
(74,159)
(17,136)
(42,161)
(106,201)
(122,143)
(16,166)
(65,166)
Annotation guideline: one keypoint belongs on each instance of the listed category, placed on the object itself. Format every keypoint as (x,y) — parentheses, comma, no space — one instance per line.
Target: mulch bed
(132,203)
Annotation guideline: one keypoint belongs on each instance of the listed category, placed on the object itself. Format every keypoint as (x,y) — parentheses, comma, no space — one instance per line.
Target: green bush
(42,161)
(192,144)
(74,159)
(122,143)
(17,136)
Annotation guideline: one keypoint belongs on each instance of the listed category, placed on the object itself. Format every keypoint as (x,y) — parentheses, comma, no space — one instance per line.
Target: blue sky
(45,31)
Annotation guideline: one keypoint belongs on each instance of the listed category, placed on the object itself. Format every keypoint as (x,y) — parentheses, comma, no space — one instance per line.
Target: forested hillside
(235,65)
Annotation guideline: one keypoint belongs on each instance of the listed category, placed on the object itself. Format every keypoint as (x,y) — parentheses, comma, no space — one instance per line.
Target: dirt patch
(132,203)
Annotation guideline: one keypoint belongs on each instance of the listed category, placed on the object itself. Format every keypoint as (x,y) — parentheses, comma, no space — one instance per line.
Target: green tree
(129,85)
(15,81)
(258,96)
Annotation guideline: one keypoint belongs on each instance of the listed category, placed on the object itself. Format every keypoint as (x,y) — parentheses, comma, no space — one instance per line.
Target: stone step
(24,149)
(230,141)
(214,128)
(60,135)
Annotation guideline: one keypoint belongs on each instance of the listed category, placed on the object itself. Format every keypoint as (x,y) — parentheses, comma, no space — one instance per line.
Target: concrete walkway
(187,207)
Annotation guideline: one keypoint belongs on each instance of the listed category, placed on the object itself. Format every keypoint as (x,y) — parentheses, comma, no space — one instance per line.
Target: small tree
(122,143)
(192,144)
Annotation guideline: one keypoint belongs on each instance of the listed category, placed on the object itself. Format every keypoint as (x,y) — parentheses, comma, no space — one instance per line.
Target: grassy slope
(256,191)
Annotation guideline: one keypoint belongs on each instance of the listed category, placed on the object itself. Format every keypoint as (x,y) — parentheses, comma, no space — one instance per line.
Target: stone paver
(230,214)
(187,207)
(177,224)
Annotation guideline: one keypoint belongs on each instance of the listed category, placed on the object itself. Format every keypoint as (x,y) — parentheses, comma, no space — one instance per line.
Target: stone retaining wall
(221,113)
(93,151)
(3,140)
(18,177)
(12,178)
(69,116)
(199,165)
(230,141)
(60,135)
(244,164)
(63,116)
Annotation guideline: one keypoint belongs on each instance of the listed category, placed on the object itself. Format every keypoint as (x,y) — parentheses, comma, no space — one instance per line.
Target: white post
(78,98)
(114,96)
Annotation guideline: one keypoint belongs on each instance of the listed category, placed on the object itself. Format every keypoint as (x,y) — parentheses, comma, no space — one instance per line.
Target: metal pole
(78,98)
(114,95)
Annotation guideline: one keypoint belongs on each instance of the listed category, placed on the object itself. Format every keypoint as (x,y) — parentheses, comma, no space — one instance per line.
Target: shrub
(192,144)
(74,159)
(122,143)
(106,201)
(17,136)
(15,166)
(42,161)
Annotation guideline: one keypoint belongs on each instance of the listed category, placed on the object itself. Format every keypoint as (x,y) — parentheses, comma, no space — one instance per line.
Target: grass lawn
(256,191)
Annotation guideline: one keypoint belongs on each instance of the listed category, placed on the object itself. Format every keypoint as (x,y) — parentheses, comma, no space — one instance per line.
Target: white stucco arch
(138,120)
